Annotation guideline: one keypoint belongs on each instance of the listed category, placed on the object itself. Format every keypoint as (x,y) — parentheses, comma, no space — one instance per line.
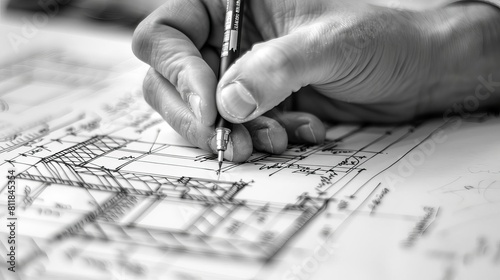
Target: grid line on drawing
(142,206)
(216,222)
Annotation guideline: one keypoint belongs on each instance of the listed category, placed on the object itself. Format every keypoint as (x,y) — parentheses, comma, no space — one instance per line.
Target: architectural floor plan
(111,192)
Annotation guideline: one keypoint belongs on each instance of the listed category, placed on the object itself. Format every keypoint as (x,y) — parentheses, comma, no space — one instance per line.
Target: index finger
(169,40)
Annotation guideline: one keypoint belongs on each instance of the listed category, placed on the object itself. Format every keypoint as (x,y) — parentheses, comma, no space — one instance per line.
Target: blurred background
(30,25)
(119,12)
(56,53)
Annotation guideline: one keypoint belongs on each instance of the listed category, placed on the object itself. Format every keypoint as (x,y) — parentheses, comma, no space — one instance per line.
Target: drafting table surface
(106,190)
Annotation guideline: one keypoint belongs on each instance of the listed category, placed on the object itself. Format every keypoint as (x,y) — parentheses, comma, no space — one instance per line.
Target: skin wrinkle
(345,83)
(385,87)
(140,42)
(173,66)
(359,32)
(348,64)
(182,86)
(453,46)
(422,58)
(371,75)
(191,132)
(158,56)
(482,34)
(364,76)
(453,41)
(302,22)
(271,25)
(407,69)
(339,80)
(151,84)
(187,129)
(197,40)
(284,20)
(398,77)
(187,73)
(320,43)
(490,35)
(283,60)
(147,89)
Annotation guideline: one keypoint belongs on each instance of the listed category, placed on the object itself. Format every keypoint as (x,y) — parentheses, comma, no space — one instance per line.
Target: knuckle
(281,66)
(175,68)
(170,65)
(182,123)
(274,58)
(141,41)
(154,95)
(148,86)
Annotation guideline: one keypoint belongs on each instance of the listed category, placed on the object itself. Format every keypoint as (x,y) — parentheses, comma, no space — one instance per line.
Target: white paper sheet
(106,190)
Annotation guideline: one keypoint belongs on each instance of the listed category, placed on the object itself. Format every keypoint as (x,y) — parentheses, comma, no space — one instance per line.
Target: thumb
(264,77)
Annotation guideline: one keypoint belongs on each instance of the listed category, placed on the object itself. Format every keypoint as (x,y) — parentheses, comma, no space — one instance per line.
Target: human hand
(347,61)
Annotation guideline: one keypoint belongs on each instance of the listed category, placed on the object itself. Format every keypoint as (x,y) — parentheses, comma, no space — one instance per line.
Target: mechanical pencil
(229,53)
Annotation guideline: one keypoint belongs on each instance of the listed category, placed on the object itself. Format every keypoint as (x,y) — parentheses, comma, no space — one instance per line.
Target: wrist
(470,28)
(464,40)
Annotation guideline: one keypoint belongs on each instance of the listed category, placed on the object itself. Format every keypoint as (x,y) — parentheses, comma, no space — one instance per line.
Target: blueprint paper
(106,190)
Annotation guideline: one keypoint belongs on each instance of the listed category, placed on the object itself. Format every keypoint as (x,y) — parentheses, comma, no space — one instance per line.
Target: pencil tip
(219,170)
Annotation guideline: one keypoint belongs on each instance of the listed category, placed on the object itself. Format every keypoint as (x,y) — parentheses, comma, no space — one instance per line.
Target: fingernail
(195,105)
(237,101)
(306,133)
(228,154)
(262,135)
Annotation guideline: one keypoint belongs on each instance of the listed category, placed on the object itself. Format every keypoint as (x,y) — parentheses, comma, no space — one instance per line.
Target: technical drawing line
(295,158)
(303,221)
(221,223)
(150,152)
(154,142)
(345,185)
(401,157)
(74,228)
(145,211)
(42,132)
(93,142)
(364,162)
